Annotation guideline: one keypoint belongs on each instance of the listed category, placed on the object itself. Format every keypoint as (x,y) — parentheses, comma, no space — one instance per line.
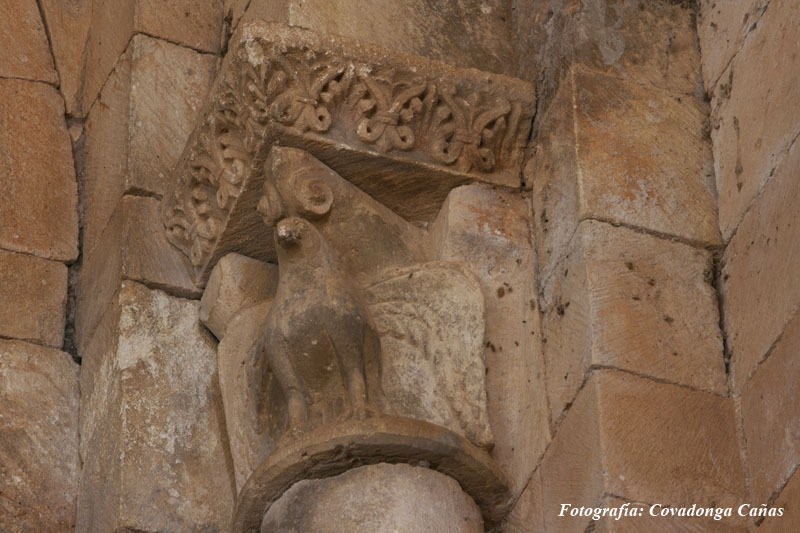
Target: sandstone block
(789,500)
(613,150)
(195,24)
(169,87)
(112,28)
(382,497)
(38,207)
(479,217)
(133,246)
(527,516)
(771,416)
(68,27)
(39,464)
(750,141)
(236,282)
(106,155)
(721,28)
(759,270)
(168,449)
(23,38)
(634,302)
(136,132)
(463,34)
(651,42)
(617,425)
(33,295)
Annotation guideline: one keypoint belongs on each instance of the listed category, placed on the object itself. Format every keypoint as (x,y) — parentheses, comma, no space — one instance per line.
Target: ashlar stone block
(616,426)
(68,27)
(39,465)
(195,24)
(722,28)
(635,302)
(139,126)
(39,204)
(133,246)
(494,221)
(154,421)
(33,295)
(464,34)
(759,271)
(23,38)
(789,500)
(750,141)
(613,150)
(771,416)
(649,42)
(527,516)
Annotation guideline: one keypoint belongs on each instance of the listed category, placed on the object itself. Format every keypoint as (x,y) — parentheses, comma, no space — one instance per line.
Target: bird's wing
(430,318)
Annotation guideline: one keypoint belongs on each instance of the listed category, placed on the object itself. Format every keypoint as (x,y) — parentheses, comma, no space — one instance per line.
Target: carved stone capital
(404,129)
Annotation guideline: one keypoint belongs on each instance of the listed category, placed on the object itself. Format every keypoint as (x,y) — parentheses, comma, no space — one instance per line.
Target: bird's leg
(357,391)
(298,411)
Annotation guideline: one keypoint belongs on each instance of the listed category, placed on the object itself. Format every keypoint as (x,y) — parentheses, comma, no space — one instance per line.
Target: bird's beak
(287,234)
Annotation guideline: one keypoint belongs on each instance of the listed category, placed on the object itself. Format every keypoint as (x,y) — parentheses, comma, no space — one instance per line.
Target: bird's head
(296,236)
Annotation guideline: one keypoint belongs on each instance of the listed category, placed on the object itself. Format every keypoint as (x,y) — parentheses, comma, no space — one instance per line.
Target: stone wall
(626,227)
(38,246)
(751,68)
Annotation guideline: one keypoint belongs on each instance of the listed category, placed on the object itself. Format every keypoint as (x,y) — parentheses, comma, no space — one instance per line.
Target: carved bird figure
(317,322)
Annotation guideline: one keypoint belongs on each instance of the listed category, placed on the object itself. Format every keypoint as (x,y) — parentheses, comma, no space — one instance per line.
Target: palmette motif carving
(279,82)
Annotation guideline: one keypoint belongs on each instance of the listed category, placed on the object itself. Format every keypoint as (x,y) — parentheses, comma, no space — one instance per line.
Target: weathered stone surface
(618,424)
(23,38)
(38,438)
(635,302)
(651,42)
(196,24)
(106,153)
(112,28)
(192,23)
(750,141)
(722,28)
(379,497)
(683,524)
(169,86)
(402,128)
(771,416)
(463,34)
(38,207)
(33,295)
(236,282)
(789,500)
(167,451)
(478,217)
(527,516)
(613,150)
(133,246)
(766,251)
(137,129)
(68,27)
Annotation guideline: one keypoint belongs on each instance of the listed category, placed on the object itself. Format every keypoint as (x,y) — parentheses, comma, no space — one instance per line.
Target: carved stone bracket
(404,129)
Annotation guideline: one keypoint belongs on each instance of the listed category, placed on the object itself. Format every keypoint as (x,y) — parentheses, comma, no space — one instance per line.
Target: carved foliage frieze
(286,84)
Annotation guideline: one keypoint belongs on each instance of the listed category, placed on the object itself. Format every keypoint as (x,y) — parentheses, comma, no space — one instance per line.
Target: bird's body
(319,339)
